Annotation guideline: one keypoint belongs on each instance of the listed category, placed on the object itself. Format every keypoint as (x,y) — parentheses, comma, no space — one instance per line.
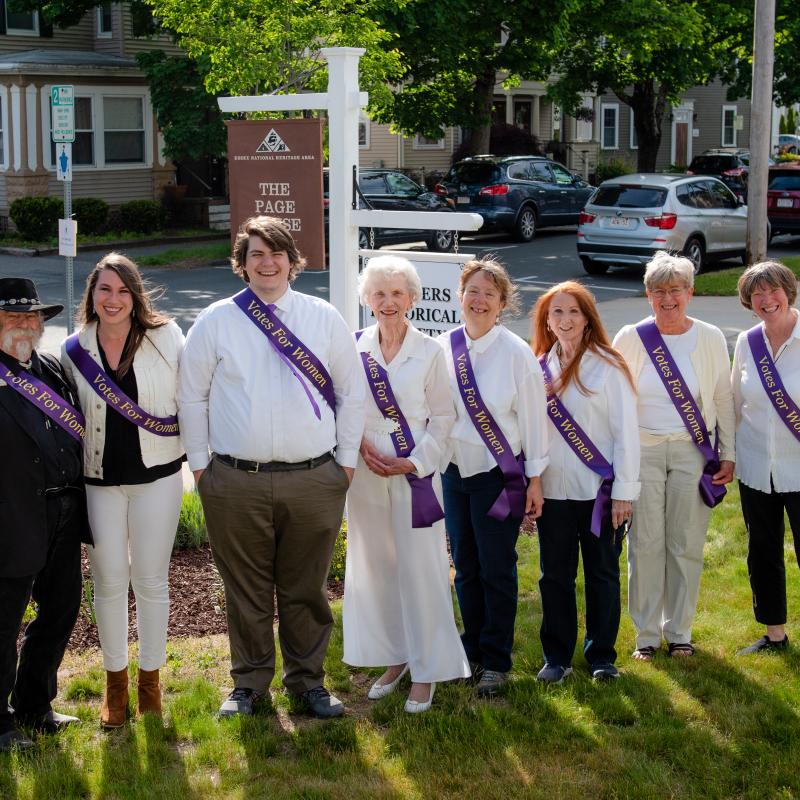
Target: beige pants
(665,547)
(272,533)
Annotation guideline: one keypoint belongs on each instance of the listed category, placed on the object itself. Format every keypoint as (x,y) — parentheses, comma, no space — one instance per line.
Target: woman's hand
(397,466)
(534,499)
(372,458)
(621,511)
(725,474)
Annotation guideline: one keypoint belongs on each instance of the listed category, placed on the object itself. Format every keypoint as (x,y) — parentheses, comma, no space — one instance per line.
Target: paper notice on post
(67,237)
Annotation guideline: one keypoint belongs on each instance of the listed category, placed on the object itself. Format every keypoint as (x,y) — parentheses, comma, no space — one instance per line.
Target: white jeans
(133,528)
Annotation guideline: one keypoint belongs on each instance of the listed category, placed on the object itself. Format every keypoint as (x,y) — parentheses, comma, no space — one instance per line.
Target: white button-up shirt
(237,397)
(418,377)
(763,442)
(608,417)
(510,382)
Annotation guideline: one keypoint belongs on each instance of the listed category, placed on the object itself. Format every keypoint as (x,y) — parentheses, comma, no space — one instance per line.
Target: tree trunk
(648,106)
(479,142)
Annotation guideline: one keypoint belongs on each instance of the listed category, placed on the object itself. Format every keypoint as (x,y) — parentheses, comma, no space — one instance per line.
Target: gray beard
(24,346)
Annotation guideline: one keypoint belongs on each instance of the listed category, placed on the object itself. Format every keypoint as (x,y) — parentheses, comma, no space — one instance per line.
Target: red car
(783,198)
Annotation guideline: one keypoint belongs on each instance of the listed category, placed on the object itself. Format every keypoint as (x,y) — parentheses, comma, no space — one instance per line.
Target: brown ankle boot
(115,700)
(149,692)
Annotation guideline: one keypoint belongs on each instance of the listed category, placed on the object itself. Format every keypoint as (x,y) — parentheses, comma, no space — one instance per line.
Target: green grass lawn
(723,282)
(714,726)
(200,255)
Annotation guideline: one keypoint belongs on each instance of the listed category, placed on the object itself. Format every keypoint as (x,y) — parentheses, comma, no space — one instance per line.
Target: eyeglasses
(673,291)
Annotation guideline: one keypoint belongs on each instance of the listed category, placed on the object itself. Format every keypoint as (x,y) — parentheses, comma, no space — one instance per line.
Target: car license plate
(462,199)
(785,202)
(619,222)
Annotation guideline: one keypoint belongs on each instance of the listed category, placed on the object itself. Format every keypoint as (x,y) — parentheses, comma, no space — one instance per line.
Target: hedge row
(37,218)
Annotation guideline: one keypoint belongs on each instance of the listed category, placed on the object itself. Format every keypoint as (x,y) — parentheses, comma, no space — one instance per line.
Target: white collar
(485,342)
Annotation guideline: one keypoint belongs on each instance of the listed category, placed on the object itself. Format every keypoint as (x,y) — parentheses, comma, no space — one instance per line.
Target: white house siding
(382,150)
(430,159)
(115,187)
(78,37)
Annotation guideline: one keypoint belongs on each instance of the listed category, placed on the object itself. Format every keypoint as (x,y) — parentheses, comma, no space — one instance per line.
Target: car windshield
(625,196)
(475,172)
(711,163)
(785,181)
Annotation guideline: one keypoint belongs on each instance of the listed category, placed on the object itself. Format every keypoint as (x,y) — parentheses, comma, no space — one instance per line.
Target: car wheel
(594,267)
(363,240)
(440,241)
(525,227)
(696,253)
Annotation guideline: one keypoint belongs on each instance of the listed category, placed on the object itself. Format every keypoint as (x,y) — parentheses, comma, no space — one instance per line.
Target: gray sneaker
(491,683)
(553,673)
(239,702)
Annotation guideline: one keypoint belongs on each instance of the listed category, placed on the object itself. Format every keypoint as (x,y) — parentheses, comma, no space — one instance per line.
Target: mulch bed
(196,597)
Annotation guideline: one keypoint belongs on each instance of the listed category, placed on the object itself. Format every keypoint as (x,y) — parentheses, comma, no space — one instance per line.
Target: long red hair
(594,339)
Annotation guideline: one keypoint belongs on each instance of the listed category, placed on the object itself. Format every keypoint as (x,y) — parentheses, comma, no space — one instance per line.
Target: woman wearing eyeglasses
(681,369)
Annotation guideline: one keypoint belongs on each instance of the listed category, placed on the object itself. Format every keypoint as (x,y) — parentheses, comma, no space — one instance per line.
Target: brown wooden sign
(275,168)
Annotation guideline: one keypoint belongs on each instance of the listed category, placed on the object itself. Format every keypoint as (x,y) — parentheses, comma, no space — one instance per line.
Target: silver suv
(629,218)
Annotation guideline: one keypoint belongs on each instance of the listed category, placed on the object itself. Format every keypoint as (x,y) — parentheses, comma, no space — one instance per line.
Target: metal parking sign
(62,106)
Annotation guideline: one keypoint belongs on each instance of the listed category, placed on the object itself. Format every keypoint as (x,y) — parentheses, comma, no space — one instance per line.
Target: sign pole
(70,275)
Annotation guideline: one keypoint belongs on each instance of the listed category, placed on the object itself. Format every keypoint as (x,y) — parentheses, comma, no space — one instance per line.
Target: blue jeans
(485,556)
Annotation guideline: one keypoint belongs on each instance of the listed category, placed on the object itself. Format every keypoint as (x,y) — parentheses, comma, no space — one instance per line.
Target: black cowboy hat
(19,295)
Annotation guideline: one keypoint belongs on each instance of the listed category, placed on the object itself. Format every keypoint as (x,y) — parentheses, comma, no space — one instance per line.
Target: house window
(123,129)
(83,146)
(729,126)
(22,23)
(104,28)
(634,136)
(522,115)
(610,130)
(363,130)
(427,143)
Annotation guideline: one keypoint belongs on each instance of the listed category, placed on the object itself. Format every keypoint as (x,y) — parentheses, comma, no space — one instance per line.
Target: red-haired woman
(590,481)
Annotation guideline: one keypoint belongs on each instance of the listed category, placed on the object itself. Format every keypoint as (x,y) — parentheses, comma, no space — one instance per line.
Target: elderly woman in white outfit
(670,518)
(398,609)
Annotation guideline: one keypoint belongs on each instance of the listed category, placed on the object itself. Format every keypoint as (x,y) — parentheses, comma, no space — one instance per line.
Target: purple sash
(425,508)
(47,401)
(511,499)
(584,448)
(108,391)
(300,360)
(781,401)
(687,409)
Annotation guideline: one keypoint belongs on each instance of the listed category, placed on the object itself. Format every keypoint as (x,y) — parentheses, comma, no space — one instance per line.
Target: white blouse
(418,377)
(764,444)
(510,382)
(608,417)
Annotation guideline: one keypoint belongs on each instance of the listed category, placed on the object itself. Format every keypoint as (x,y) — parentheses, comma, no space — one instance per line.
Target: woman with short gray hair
(398,610)
(680,366)
(766,393)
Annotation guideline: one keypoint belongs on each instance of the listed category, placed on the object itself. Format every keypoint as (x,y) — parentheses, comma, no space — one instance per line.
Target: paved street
(535,266)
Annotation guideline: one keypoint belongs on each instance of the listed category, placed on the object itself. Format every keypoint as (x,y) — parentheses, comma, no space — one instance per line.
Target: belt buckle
(254,471)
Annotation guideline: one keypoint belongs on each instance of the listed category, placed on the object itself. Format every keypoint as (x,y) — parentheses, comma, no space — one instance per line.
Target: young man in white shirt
(272,491)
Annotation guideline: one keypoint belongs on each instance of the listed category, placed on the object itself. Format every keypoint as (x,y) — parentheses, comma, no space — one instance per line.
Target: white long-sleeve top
(711,365)
(238,398)
(765,446)
(510,382)
(608,417)
(418,377)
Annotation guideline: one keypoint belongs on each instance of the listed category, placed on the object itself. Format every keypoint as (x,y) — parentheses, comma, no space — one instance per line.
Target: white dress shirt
(764,443)
(510,382)
(236,396)
(418,376)
(608,417)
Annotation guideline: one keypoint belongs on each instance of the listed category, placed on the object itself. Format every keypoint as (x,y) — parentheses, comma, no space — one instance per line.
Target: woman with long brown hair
(590,481)
(124,362)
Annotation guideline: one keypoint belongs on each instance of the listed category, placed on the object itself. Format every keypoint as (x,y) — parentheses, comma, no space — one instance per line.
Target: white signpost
(343,101)
(62,112)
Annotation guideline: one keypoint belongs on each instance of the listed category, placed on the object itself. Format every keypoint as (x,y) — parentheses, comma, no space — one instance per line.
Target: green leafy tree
(451,53)
(647,53)
(791,120)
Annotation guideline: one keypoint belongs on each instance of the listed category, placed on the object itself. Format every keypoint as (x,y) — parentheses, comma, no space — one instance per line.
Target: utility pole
(760,129)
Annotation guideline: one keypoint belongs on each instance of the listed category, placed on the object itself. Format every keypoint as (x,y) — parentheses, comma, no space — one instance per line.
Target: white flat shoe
(413,707)
(378,689)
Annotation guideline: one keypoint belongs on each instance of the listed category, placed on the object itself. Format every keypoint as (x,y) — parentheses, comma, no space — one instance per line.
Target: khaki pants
(665,547)
(273,533)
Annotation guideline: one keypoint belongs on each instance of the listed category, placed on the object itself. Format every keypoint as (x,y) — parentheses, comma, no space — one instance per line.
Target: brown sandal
(644,653)
(681,649)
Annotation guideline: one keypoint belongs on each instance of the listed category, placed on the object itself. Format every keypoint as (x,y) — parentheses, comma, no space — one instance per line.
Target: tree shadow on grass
(55,774)
(8,781)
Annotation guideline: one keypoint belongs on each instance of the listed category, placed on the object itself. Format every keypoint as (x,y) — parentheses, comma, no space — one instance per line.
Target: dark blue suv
(517,194)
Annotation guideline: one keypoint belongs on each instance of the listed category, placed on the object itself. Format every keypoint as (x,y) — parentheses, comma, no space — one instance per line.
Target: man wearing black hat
(42,515)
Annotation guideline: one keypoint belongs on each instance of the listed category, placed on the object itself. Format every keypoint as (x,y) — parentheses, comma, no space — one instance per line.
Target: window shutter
(45,27)
(2,16)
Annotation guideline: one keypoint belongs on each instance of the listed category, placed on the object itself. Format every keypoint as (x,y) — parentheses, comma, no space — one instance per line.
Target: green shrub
(191,523)
(142,216)
(37,218)
(91,214)
(612,169)
(787,158)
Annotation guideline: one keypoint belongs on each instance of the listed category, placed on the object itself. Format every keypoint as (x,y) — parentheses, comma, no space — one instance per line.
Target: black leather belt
(60,489)
(272,466)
